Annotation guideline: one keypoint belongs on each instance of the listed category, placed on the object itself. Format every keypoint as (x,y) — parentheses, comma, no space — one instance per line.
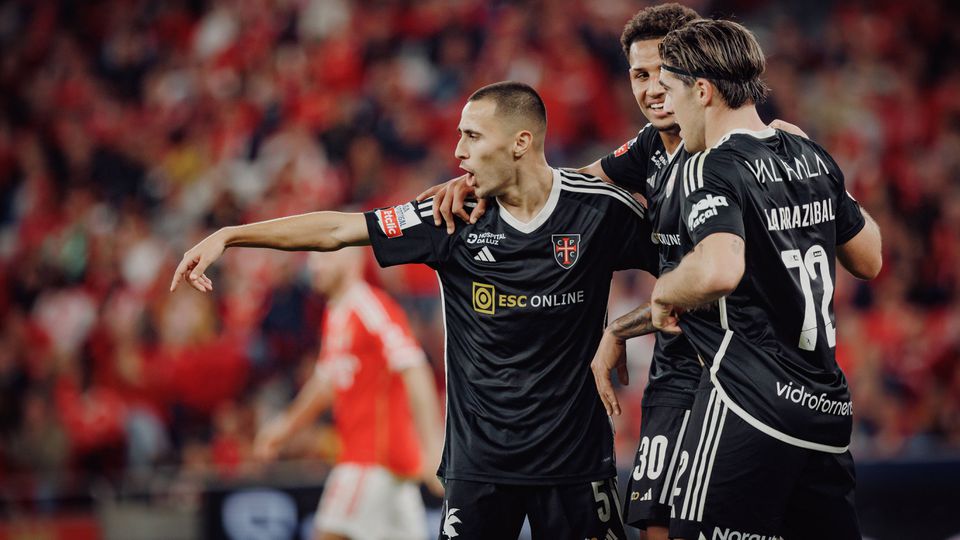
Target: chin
(665,124)
(692,148)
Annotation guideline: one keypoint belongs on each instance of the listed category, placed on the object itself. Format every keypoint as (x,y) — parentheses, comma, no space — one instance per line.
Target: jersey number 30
(809,263)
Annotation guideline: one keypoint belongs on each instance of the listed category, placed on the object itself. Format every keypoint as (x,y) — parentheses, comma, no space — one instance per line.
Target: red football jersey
(366,344)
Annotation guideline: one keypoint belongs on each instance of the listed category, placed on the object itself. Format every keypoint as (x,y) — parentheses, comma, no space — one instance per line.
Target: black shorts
(483,511)
(743,483)
(655,466)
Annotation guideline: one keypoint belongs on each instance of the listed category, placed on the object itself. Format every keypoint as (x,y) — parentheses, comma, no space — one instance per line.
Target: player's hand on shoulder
(195,262)
(450,202)
(788,127)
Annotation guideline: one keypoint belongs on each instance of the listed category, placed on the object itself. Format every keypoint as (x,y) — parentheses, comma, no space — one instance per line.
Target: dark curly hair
(654,23)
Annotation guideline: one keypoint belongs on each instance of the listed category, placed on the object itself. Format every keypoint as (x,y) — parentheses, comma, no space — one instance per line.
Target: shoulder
(711,166)
(595,192)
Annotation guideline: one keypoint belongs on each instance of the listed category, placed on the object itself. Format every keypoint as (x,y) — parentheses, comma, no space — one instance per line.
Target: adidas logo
(484,255)
(648,496)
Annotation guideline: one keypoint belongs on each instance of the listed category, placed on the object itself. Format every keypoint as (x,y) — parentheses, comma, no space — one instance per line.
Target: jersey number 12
(809,263)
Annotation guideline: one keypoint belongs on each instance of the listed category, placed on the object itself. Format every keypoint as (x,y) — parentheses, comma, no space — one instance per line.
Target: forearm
(633,324)
(712,270)
(316,231)
(682,287)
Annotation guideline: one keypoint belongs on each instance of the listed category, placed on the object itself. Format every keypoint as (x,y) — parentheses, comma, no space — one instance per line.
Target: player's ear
(522,143)
(704,90)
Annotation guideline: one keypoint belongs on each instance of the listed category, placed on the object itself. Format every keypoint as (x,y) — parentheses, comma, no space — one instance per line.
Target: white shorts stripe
(713,457)
(707,449)
(696,455)
(671,469)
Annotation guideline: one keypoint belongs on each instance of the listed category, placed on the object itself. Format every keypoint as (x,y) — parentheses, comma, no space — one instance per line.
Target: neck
(671,140)
(721,120)
(528,191)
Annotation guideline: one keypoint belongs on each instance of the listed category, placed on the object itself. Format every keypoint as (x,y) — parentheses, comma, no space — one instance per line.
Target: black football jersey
(643,165)
(770,344)
(635,164)
(524,309)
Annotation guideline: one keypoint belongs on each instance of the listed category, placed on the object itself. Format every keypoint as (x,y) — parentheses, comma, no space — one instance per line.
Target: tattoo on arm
(633,324)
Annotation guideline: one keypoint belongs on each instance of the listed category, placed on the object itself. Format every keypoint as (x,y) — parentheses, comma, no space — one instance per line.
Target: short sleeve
(406,234)
(712,202)
(850,220)
(627,165)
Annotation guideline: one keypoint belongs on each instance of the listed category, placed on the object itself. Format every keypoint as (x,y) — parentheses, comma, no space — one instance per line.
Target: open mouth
(471,177)
(656,107)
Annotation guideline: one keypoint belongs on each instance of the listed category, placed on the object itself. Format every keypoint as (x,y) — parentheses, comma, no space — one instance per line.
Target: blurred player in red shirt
(381,388)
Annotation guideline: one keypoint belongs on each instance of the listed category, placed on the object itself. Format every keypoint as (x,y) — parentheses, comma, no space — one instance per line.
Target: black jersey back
(524,309)
(643,164)
(770,344)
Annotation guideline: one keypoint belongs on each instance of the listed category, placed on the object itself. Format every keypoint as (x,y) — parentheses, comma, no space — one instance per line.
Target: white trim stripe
(765,133)
(696,455)
(595,191)
(724,323)
(542,216)
(671,469)
(703,159)
(446,371)
(581,180)
(713,457)
(757,424)
(709,448)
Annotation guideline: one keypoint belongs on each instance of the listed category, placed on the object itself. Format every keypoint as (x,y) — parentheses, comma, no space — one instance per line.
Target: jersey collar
(541,216)
(761,134)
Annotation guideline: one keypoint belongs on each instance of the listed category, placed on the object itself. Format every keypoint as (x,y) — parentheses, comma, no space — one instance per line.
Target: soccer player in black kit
(524,292)
(765,215)
(641,165)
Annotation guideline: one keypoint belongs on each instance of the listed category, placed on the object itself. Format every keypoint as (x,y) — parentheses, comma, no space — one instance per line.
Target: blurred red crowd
(129,129)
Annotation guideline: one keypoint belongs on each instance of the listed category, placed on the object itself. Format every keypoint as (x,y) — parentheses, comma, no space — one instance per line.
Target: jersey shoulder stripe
(635,208)
(425,208)
(693,172)
(571,180)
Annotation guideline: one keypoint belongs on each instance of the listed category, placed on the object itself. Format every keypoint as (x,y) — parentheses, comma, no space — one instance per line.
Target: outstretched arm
(316,231)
